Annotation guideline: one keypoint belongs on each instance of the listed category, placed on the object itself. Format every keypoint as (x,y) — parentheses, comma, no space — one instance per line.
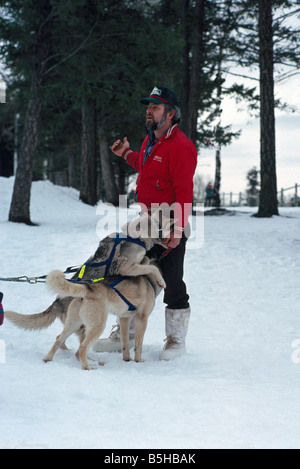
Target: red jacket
(167,175)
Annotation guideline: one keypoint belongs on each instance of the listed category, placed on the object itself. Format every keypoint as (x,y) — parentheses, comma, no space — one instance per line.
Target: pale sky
(244,153)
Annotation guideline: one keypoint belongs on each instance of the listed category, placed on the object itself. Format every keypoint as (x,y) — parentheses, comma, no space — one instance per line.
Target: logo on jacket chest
(157,158)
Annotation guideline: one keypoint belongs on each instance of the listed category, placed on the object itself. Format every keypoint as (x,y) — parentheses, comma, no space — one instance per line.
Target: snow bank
(237,387)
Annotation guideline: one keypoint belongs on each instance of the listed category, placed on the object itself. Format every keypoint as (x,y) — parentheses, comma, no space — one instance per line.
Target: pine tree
(258,44)
(27,48)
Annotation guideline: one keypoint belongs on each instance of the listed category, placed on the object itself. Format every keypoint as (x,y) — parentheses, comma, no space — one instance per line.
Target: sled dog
(84,309)
(122,253)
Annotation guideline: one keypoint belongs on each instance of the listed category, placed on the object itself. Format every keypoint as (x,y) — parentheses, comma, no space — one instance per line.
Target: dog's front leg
(124,326)
(152,269)
(139,269)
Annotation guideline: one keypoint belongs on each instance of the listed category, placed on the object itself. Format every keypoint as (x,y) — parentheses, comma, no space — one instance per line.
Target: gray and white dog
(123,253)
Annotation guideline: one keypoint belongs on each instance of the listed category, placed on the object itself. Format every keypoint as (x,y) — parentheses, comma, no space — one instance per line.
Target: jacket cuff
(126,153)
(178,231)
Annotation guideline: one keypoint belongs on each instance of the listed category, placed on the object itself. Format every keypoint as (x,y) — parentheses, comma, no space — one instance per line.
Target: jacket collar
(171,130)
(165,135)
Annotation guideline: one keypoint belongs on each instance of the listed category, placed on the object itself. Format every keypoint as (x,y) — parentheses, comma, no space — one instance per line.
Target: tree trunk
(217,184)
(20,204)
(109,182)
(268,204)
(88,184)
(72,181)
(185,66)
(196,71)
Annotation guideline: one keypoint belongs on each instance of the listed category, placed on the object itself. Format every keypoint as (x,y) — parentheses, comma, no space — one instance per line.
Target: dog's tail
(41,320)
(57,283)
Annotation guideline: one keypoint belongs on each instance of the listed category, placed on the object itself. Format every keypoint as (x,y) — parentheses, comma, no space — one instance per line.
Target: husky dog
(84,309)
(85,301)
(122,253)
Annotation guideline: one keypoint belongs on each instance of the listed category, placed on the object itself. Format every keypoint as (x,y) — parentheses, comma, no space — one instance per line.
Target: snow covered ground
(237,387)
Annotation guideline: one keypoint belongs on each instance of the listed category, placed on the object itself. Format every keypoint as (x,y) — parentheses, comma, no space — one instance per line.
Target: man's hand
(173,240)
(119,147)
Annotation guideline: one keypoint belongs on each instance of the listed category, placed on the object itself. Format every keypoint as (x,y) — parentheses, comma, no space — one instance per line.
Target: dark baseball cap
(161,94)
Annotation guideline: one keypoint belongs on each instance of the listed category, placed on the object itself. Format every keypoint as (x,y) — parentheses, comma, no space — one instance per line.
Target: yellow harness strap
(81,274)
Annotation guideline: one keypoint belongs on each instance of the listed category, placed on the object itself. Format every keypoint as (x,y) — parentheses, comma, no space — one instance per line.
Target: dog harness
(107,263)
(112,285)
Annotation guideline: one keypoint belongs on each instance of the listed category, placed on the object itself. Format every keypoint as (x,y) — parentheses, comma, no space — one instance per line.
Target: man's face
(155,116)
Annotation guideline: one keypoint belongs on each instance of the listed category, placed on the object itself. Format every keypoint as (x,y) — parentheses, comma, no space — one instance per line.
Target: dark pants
(175,296)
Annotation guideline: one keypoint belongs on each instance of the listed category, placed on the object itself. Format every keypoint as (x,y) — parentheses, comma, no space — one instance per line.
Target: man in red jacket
(166,164)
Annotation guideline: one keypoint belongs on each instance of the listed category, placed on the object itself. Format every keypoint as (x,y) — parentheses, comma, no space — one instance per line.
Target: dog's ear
(139,227)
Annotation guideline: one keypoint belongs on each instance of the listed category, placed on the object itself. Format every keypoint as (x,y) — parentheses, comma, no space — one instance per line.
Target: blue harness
(107,263)
(117,240)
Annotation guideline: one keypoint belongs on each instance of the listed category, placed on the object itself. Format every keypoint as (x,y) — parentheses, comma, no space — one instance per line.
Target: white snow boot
(177,322)
(113,342)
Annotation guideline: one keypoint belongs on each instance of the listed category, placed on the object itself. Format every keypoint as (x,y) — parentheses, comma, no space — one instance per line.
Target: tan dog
(84,309)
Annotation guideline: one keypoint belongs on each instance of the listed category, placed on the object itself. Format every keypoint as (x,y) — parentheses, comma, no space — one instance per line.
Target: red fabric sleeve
(183,161)
(132,158)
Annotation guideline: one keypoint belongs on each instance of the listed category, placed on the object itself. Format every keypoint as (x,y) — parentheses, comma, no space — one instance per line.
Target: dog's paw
(127,358)
(47,359)
(145,261)
(89,367)
(161,283)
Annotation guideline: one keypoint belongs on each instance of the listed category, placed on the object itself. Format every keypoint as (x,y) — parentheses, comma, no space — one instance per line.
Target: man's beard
(151,125)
